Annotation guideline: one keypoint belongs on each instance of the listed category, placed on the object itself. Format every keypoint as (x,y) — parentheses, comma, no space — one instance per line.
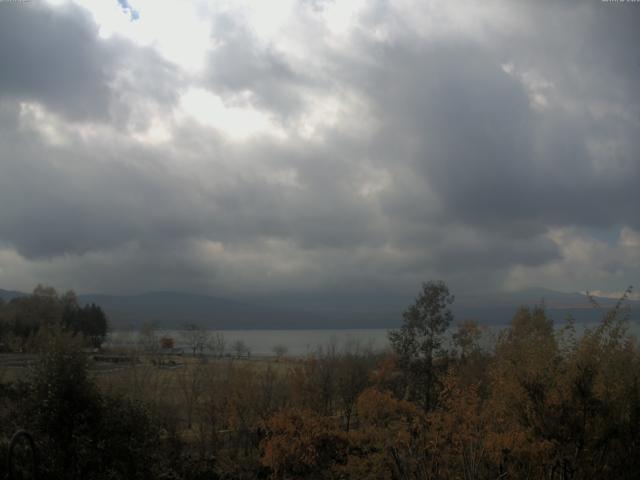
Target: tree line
(540,401)
(22,318)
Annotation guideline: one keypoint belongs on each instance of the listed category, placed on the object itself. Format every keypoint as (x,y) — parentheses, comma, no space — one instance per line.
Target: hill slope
(175,309)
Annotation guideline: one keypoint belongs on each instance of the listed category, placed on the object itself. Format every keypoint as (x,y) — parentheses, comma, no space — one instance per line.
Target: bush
(85,435)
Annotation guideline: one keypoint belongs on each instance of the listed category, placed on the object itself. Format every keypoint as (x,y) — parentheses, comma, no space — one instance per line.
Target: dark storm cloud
(493,160)
(469,124)
(587,46)
(467,153)
(490,252)
(54,56)
(77,198)
(316,215)
(60,200)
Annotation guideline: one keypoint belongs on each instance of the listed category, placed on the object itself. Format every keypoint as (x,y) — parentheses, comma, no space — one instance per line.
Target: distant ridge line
(171,309)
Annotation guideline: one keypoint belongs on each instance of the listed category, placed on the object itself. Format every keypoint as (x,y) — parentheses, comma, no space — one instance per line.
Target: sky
(318,147)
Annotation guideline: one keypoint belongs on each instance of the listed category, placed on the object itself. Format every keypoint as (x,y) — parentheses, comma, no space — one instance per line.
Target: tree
(352,378)
(239,348)
(61,401)
(300,444)
(196,338)
(217,344)
(467,338)
(83,433)
(4,323)
(148,337)
(460,431)
(419,340)
(27,314)
(390,441)
(313,381)
(469,358)
(279,351)
(93,324)
(88,321)
(191,383)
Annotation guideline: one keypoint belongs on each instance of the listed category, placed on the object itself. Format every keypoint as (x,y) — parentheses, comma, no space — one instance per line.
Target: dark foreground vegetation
(541,402)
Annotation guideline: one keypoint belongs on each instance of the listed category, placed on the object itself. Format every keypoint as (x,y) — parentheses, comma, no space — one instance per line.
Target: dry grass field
(192,394)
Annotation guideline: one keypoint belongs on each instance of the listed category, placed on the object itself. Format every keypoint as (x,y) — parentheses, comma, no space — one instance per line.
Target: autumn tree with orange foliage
(566,407)
(541,402)
(300,444)
(390,442)
(458,431)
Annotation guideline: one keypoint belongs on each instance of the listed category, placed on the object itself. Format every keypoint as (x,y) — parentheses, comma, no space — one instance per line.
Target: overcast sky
(260,148)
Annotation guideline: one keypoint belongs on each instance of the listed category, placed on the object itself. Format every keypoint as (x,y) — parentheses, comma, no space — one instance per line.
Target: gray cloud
(239,63)
(54,56)
(460,155)
(490,158)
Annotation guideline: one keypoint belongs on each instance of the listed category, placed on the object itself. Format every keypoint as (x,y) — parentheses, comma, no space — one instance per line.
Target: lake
(263,342)
(303,342)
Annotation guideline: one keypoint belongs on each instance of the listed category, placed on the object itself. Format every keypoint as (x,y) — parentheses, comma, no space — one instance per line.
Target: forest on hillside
(540,402)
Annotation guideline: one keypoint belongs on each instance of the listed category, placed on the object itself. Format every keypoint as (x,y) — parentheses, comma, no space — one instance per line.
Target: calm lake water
(263,342)
(304,342)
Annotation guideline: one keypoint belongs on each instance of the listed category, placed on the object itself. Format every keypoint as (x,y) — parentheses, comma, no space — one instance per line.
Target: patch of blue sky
(129,10)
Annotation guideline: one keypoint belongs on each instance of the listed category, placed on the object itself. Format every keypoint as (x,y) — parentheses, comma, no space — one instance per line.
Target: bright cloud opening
(235,122)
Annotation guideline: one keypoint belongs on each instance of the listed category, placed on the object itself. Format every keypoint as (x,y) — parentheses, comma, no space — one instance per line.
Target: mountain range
(175,309)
